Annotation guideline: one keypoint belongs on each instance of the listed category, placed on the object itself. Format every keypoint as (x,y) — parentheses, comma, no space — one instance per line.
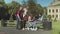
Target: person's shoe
(23,29)
(32,29)
(28,28)
(35,29)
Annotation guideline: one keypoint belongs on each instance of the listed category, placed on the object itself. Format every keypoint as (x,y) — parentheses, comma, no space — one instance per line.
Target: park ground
(10,29)
(56,27)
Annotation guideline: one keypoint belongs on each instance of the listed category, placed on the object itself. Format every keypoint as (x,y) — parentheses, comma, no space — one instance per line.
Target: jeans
(32,24)
(17,22)
(23,24)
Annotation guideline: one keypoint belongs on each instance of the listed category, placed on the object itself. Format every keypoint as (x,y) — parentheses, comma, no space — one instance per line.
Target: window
(49,11)
(56,10)
(53,10)
(56,16)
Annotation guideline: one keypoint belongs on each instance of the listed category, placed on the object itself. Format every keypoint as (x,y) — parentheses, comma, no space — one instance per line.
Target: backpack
(25,18)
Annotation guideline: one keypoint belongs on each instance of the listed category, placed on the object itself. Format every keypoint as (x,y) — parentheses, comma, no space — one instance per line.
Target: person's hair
(22,10)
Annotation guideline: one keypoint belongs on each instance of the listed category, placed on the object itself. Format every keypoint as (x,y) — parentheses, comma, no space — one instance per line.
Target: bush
(55,19)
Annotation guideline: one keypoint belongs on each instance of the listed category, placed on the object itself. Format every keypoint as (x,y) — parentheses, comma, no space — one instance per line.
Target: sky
(43,3)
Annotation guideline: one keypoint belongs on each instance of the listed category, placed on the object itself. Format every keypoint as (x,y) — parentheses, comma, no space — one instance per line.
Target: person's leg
(34,26)
(21,25)
(30,24)
(24,24)
(17,22)
(27,25)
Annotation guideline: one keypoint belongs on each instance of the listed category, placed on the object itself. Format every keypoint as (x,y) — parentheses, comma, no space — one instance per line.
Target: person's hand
(19,19)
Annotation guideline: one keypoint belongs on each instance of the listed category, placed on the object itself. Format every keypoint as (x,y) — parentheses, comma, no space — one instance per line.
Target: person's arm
(18,17)
(18,12)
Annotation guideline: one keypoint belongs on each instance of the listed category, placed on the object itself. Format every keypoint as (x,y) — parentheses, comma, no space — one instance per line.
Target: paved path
(12,30)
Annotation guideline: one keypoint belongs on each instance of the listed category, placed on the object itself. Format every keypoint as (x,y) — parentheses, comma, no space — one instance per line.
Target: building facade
(54,10)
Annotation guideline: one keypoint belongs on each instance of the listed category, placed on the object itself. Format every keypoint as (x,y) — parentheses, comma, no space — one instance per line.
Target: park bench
(11,24)
(3,23)
(6,23)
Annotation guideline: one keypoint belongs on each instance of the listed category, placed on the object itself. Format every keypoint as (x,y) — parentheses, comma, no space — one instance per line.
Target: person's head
(27,7)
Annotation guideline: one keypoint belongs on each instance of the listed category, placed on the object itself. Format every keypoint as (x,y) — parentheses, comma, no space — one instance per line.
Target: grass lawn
(56,27)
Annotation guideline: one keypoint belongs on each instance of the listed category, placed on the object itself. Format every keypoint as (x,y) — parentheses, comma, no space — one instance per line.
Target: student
(30,19)
(23,21)
(18,17)
(25,17)
(25,10)
(32,22)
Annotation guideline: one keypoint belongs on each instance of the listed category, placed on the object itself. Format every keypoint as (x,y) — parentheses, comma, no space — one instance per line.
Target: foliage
(34,8)
(3,9)
(49,16)
(13,7)
(55,19)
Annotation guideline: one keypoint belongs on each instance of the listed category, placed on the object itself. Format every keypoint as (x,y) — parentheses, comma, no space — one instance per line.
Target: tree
(39,9)
(13,7)
(3,9)
(34,8)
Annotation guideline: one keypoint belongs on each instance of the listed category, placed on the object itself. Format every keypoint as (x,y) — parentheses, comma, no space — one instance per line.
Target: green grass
(56,27)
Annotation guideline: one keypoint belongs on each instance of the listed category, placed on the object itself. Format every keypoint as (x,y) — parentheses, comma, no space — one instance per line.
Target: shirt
(18,12)
(29,18)
(25,11)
